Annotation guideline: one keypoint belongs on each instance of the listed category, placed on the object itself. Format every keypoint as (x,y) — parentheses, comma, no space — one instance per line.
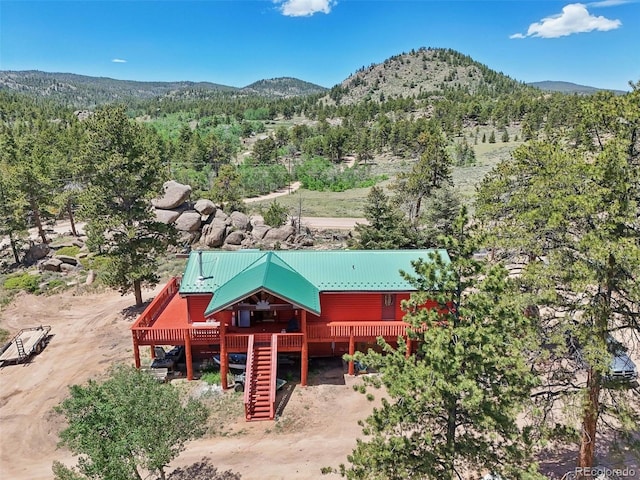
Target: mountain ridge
(418,73)
(569,87)
(87,91)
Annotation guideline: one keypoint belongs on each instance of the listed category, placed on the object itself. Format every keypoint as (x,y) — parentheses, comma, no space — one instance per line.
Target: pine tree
(123,163)
(430,172)
(13,210)
(386,228)
(31,156)
(451,406)
(227,189)
(583,244)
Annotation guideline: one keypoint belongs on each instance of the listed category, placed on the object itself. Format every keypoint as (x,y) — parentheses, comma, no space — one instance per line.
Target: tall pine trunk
(590,420)
(71,220)
(14,247)
(38,220)
(452,412)
(138,292)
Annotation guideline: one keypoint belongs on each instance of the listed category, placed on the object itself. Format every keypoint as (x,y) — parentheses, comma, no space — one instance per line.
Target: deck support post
(224,356)
(188,354)
(304,360)
(352,351)
(136,351)
(407,354)
(152,351)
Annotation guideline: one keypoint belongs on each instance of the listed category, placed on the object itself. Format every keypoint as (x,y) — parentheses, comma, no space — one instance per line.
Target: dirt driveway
(318,426)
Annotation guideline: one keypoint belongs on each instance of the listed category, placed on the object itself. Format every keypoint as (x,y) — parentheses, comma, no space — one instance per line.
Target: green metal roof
(269,273)
(296,275)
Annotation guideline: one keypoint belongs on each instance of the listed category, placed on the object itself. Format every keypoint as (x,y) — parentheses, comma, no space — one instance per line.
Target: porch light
(262,305)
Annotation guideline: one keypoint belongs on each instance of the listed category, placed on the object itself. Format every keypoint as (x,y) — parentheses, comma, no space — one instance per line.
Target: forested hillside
(80,91)
(568,87)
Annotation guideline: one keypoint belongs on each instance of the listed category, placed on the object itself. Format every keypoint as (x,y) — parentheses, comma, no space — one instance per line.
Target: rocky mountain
(421,73)
(86,92)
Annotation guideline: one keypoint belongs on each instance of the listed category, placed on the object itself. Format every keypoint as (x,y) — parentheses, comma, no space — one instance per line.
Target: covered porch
(165,322)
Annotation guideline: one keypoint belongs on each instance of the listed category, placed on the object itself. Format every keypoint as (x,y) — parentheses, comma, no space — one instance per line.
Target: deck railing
(164,336)
(175,336)
(153,310)
(237,342)
(204,335)
(274,374)
(342,331)
(290,340)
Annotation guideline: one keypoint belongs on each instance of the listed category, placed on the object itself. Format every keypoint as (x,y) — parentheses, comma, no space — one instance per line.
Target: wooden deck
(165,322)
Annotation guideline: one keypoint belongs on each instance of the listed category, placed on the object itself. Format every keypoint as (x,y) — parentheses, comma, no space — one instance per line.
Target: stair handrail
(274,373)
(248,375)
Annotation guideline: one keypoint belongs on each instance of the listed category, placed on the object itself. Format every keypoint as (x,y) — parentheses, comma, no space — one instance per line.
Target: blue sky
(236,42)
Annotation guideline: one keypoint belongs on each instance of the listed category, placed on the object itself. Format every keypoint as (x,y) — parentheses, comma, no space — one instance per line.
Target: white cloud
(609,3)
(118,60)
(304,8)
(575,18)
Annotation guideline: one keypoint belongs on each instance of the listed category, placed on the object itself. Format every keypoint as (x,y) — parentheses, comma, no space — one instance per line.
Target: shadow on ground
(202,470)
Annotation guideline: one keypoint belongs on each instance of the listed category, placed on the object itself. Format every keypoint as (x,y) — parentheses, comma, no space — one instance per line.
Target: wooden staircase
(260,381)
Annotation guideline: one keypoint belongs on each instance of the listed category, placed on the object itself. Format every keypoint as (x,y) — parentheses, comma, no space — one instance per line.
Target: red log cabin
(261,303)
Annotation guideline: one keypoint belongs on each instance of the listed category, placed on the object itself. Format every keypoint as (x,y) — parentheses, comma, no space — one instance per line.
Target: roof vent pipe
(201,274)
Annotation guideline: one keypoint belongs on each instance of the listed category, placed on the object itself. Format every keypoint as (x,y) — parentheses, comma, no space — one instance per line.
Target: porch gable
(271,274)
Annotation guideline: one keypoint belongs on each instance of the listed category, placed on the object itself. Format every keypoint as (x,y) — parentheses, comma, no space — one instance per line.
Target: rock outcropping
(203,224)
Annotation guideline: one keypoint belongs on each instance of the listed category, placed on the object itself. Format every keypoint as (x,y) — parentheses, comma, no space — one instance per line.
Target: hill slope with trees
(83,91)
(421,73)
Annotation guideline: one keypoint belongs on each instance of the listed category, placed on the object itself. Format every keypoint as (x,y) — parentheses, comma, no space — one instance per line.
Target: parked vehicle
(621,367)
(237,361)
